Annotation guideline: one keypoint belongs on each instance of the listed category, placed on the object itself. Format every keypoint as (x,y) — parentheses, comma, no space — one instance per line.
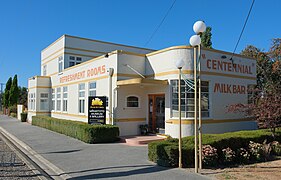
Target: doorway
(156,105)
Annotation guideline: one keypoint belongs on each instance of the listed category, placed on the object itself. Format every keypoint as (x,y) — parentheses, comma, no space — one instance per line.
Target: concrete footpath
(73,159)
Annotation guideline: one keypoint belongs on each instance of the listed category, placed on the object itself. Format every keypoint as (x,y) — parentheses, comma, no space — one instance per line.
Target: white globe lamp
(195,40)
(199,27)
(179,63)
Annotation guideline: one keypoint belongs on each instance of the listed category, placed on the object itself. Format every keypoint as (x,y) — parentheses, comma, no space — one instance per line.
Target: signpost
(97,110)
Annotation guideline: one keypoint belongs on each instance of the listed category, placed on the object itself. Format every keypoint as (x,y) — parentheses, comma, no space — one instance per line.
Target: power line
(243,28)
(157,28)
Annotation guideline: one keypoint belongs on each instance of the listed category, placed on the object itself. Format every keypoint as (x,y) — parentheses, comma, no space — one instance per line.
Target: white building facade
(73,68)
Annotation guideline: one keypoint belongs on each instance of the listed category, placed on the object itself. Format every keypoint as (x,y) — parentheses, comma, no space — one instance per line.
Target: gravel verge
(11,166)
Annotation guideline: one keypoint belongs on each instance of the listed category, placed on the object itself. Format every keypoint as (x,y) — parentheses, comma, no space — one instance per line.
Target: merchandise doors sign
(97,110)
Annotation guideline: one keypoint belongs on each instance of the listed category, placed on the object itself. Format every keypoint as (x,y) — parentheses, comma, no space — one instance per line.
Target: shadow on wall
(148,68)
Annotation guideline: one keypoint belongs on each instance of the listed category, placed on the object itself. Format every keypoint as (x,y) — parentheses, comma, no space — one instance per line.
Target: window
(92,88)
(187,99)
(53,100)
(44,70)
(132,101)
(32,101)
(71,63)
(74,61)
(44,101)
(64,103)
(59,99)
(81,96)
(71,57)
(60,64)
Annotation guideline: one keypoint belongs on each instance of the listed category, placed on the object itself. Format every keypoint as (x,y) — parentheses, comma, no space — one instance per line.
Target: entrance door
(156,113)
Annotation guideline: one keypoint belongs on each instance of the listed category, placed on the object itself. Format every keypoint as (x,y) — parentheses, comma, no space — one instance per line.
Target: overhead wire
(159,25)
(245,23)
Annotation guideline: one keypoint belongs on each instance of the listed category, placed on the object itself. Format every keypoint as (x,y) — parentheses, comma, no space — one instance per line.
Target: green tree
(206,38)
(23,96)
(14,92)
(275,50)
(264,66)
(275,56)
(266,106)
(6,96)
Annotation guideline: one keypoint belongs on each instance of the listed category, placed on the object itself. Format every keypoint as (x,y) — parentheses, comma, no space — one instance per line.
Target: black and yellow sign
(97,110)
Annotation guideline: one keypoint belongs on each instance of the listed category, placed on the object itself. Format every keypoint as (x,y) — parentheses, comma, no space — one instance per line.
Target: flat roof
(87,39)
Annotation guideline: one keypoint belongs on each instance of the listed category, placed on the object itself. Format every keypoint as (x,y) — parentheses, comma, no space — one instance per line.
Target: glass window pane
(132,98)
(205,114)
(92,85)
(71,64)
(92,93)
(205,89)
(190,114)
(190,108)
(204,83)
(82,94)
(81,86)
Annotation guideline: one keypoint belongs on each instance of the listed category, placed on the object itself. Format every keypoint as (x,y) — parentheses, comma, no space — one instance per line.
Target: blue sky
(28,26)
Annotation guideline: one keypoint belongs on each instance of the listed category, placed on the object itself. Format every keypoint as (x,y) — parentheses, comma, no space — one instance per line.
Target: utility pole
(1,94)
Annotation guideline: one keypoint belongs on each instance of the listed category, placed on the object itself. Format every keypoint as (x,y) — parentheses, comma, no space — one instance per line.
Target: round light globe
(195,40)
(179,63)
(199,27)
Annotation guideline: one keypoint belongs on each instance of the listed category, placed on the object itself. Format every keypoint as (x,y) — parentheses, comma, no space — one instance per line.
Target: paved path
(91,161)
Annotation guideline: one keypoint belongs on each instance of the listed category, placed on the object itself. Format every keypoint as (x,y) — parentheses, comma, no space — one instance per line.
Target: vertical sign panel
(97,110)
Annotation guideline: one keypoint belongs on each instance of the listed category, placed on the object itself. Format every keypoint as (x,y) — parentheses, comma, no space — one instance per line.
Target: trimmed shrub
(276,148)
(243,156)
(12,114)
(166,154)
(228,156)
(260,152)
(13,109)
(79,130)
(209,155)
(23,117)
(160,152)
(256,150)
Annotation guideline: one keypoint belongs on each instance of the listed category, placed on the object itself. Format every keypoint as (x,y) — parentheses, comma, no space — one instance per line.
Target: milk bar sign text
(229,88)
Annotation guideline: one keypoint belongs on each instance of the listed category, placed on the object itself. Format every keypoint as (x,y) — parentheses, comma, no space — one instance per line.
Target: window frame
(132,95)
(185,107)
(92,89)
(45,99)
(60,64)
(58,99)
(65,99)
(82,98)
(53,108)
(45,70)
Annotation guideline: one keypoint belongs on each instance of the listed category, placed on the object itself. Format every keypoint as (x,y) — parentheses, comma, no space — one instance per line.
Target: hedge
(79,130)
(165,153)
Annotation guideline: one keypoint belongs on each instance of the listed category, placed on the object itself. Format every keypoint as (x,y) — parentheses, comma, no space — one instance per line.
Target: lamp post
(199,27)
(179,65)
(110,74)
